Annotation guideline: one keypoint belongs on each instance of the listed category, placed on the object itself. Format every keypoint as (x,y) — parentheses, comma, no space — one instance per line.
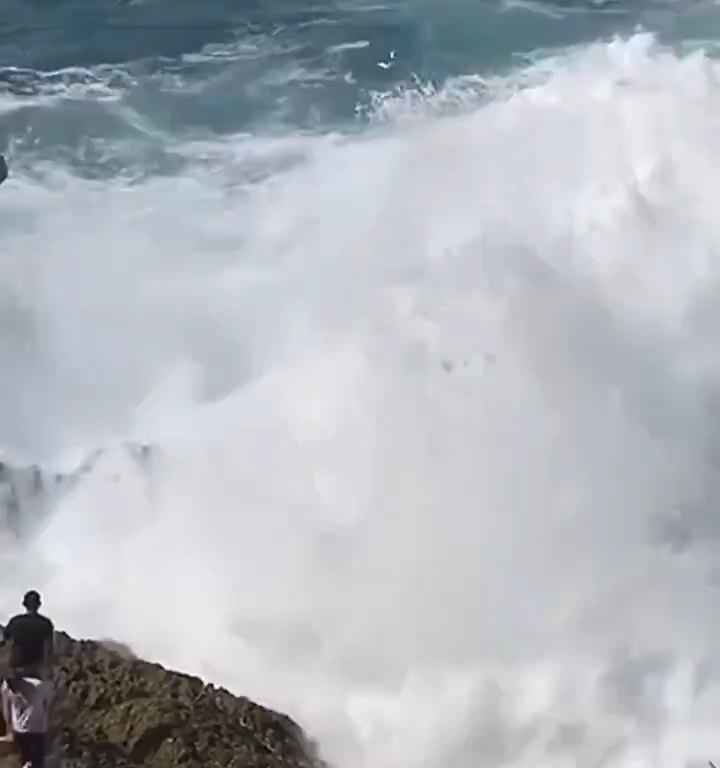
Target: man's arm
(7,634)
(49,643)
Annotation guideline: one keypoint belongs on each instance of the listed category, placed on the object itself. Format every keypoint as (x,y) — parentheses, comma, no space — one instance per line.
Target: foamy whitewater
(415,309)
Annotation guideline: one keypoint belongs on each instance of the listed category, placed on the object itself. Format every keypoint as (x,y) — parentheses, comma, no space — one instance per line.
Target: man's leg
(5,708)
(39,749)
(31,747)
(24,750)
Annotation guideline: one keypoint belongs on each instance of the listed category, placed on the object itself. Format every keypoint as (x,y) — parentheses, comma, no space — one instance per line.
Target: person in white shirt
(26,710)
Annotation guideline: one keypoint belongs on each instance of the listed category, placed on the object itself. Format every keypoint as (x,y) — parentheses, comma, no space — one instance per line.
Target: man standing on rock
(25,694)
(31,637)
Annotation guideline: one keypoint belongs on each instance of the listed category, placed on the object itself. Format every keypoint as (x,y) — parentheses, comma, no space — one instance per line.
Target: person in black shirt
(31,636)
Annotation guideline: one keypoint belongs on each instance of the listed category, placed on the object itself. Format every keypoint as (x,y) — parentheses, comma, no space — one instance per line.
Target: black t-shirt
(29,632)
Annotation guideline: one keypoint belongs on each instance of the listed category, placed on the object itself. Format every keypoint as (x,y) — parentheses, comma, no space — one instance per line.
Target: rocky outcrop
(116,710)
(29,491)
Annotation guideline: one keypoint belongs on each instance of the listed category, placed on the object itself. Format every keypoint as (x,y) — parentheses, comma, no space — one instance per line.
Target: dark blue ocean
(102,85)
(362,357)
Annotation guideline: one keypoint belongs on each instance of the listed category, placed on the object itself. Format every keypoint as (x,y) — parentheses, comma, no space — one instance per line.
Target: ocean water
(367,355)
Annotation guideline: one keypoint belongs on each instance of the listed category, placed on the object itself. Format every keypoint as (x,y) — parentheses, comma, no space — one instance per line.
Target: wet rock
(116,710)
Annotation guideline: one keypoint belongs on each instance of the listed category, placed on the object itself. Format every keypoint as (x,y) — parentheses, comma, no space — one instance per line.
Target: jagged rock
(28,491)
(115,710)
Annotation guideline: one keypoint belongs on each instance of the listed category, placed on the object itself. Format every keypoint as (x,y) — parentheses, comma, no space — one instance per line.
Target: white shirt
(26,708)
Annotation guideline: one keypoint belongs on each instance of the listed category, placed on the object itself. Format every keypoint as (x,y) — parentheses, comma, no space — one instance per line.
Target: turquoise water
(106,87)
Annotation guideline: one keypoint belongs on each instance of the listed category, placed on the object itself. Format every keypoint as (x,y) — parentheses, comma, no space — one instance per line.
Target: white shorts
(26,704)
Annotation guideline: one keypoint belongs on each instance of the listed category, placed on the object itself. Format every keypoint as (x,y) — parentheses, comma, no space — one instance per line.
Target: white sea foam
(434,415)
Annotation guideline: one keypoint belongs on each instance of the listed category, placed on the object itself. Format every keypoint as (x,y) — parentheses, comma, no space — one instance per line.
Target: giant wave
(429,392)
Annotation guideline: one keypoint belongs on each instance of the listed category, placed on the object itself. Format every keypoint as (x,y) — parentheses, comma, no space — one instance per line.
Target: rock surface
(116,710)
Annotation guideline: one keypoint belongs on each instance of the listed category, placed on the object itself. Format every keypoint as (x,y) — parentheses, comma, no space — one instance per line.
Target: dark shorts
(32,747)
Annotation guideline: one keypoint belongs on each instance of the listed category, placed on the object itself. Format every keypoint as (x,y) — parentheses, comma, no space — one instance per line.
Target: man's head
(32,601)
